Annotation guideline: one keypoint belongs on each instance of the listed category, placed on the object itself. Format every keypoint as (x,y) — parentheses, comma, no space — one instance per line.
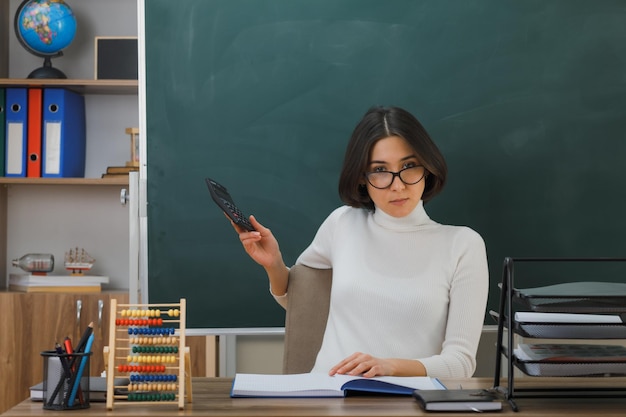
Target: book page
(406,385)
(283,385)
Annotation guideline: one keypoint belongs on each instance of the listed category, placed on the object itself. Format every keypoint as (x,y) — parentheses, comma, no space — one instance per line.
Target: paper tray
(570,330)
(571,369)
(575,297)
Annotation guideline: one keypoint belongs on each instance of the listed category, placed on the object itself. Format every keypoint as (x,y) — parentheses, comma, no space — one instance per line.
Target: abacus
(146,347)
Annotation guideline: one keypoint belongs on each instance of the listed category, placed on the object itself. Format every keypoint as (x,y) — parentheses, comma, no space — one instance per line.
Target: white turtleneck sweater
(405,287)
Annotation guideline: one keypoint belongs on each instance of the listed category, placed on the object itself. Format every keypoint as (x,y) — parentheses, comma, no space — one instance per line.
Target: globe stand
(47,70)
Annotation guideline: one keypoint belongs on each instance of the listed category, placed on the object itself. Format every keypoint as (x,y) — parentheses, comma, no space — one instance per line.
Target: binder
(3,129)
(16,126)
(33,151)
(64,137)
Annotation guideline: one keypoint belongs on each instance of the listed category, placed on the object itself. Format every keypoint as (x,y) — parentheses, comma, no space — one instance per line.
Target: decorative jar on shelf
(35,262)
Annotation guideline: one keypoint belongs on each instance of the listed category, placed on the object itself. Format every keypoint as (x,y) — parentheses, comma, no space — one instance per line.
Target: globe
(45,28)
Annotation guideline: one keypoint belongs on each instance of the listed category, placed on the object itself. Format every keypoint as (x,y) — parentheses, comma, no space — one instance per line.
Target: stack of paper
(577,353)
(56,283)
(571,359)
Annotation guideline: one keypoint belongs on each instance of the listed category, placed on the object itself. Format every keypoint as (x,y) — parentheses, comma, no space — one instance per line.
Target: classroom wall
(4,39)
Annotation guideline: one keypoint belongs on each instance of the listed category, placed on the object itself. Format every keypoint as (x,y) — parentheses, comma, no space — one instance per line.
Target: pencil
(83,340)
(81,345)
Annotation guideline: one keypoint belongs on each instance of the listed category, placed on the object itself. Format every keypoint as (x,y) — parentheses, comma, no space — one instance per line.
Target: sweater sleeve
(466,310)
(317,254)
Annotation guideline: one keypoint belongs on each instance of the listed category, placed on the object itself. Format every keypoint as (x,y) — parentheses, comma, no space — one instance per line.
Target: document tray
(571,369)
(570,330)
(574,297)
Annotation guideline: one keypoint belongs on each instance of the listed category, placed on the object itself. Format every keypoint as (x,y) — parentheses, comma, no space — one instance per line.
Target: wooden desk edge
(211,398)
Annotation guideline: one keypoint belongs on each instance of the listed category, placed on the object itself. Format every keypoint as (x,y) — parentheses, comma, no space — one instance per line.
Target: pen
(70,350)
(68,345)
(63,359)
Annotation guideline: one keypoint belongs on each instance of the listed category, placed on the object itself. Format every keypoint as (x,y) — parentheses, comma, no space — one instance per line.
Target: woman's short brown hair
(379,123)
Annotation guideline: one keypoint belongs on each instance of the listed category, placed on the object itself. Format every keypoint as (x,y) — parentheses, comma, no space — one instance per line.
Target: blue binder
(64,134)
(16,132)
(3,129)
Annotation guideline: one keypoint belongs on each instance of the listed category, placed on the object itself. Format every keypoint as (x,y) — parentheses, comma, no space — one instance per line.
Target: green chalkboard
(526,99)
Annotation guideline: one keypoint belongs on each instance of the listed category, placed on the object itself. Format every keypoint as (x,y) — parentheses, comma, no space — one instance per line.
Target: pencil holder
(65,380)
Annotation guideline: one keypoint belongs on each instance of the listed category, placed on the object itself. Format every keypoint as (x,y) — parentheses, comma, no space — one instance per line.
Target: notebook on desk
(97,389)
(476,400)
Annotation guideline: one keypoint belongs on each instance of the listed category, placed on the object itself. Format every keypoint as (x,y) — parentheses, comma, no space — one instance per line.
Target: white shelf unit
(54,215)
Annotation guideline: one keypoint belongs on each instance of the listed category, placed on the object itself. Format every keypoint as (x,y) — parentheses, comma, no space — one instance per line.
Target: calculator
(222,198)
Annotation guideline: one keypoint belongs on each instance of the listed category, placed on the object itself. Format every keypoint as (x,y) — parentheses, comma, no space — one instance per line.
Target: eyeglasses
(384,179)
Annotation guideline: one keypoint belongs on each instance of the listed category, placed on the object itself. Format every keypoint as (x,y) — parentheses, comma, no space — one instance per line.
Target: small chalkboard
(116,58)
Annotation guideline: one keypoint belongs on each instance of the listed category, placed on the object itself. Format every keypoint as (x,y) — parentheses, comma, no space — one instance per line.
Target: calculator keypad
(238,214)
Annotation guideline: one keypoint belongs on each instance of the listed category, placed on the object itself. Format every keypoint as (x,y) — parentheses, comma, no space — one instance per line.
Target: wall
(4,39)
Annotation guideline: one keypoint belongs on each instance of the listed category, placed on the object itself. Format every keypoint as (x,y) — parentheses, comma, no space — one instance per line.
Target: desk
(211,398)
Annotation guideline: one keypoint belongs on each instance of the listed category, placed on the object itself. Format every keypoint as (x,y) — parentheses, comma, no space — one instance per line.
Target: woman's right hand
(260,244)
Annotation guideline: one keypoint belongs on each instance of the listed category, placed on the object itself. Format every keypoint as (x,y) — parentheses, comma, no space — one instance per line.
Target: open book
(322,385)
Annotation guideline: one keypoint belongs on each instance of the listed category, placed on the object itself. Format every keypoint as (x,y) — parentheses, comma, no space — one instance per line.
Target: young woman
(408,294)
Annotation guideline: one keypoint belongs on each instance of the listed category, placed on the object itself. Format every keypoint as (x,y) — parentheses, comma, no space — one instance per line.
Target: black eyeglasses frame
(394,175)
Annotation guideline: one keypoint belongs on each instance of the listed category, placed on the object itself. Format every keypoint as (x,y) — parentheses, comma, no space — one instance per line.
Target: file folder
(3,129)
(33,151)
(64,137)
(16,119)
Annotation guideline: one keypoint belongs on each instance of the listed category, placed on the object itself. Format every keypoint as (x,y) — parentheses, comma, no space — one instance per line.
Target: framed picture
(116,58)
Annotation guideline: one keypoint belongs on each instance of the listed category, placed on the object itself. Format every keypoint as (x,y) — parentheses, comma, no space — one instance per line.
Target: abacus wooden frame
(183,368)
